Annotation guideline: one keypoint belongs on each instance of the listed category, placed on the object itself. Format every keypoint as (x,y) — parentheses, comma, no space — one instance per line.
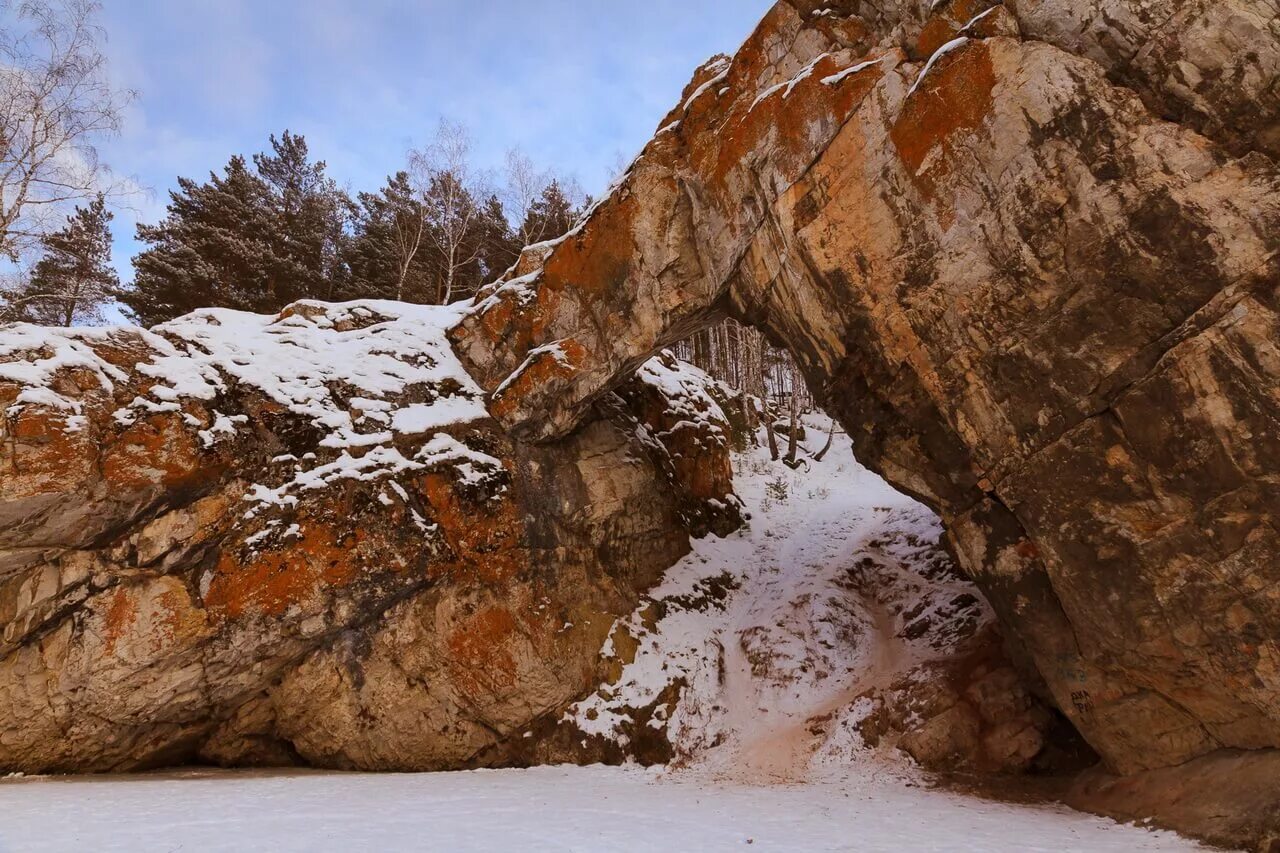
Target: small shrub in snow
(777,490)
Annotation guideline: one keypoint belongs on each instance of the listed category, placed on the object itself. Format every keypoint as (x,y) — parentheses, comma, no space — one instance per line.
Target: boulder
(301,540)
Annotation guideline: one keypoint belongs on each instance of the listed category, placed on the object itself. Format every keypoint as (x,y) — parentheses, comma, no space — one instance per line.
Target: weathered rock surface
(1029,254)
(301,540)
(1230,798)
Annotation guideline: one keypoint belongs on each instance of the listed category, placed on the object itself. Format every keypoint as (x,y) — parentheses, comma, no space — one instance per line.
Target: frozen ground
(547,809)
(819,584)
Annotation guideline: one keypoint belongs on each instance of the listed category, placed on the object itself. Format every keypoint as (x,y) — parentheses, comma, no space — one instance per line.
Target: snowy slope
(362,374)
(373,348)
(771,636)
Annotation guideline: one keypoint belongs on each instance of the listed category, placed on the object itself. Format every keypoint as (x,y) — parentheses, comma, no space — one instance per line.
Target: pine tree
(311,213)
(501,247)
(214,248)
(255,239)
(74,278)
(386,257)
(551,216)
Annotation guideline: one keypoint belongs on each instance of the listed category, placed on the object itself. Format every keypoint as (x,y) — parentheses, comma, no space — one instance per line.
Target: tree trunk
(768,426)
(404,273)
(831,436)
(70,302)
(792,436)
(448,279)
(722,351)
(748,416)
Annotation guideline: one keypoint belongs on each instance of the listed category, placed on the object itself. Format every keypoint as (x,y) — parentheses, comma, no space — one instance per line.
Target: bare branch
(56,102)
(450,189)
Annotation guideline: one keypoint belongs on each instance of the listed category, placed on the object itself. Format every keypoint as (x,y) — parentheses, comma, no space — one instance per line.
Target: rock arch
(1036,303)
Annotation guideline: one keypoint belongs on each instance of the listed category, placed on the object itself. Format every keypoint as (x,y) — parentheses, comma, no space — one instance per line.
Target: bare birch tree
(768,380)
(56,102)
(409,221)
(750,379)
(451,202)
(793,430)
(525,184)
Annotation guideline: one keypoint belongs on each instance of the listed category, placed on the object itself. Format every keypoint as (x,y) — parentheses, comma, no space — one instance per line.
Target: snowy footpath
(788,622)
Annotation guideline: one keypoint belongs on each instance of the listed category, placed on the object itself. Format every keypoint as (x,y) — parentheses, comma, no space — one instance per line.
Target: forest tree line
(276,228)
(257,235)
(263,231)
(273,228)
(766,384)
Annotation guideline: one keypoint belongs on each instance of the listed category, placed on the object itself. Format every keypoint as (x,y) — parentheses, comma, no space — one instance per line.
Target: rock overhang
(1036,303)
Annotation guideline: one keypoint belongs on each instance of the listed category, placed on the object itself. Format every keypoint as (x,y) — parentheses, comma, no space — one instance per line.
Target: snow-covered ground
(789,621)
(546,809)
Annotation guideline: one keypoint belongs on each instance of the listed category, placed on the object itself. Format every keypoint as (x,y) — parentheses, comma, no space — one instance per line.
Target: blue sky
(575,84)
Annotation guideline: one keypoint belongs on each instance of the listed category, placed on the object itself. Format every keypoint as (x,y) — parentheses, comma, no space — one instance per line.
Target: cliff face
(301,540)
(1028,254)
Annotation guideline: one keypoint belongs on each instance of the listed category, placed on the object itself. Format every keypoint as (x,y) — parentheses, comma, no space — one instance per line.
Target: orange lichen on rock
(700,95)
(496,318)
(598,259)
(155,451)
(706,476)
(178,618)
(947,24)
(511,319)
(955,97)
(122,351)
(779,121)
(487,538)
(122,612)
(270,583)
(541,371)
(937,32)
(43,454)
(480,656)
(148,619)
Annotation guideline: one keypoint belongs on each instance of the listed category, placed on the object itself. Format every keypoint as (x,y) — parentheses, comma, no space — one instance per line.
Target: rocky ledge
(300,540)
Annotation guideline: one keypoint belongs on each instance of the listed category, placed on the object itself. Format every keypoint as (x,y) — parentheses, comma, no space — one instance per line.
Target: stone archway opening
(842,628)
(1095,445)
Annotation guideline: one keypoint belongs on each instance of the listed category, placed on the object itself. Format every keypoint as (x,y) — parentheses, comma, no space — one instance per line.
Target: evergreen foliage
(276,228)
(74,278)
(254,238)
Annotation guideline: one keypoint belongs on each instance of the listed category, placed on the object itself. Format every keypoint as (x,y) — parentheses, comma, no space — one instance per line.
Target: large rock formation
(301,540)
(1028,254)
